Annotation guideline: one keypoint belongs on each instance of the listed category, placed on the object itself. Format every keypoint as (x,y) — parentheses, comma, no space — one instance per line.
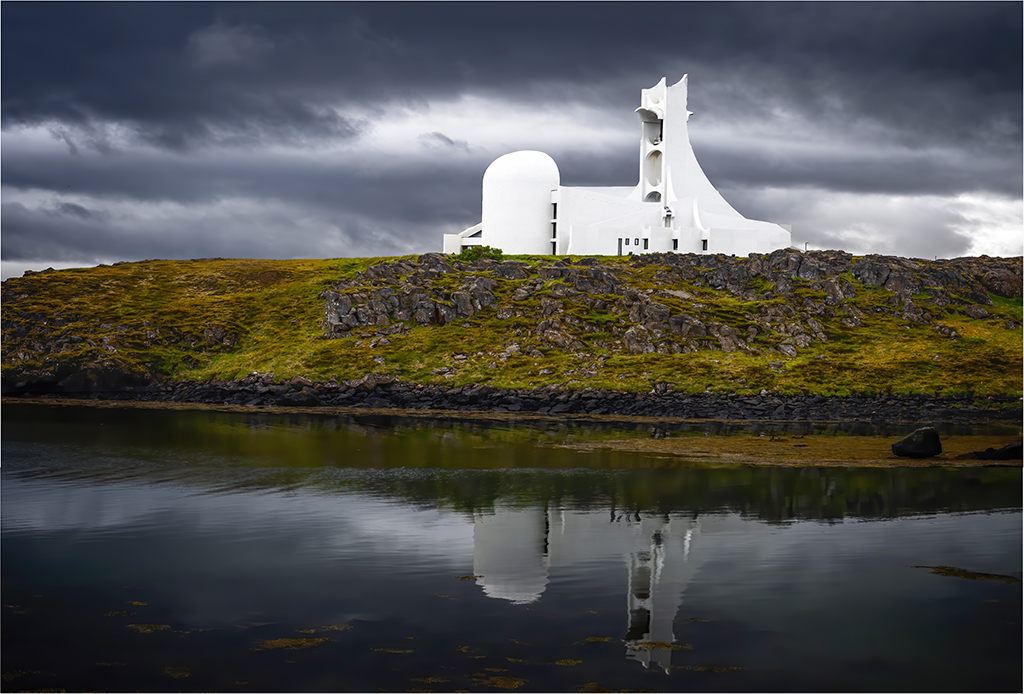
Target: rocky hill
(788,323)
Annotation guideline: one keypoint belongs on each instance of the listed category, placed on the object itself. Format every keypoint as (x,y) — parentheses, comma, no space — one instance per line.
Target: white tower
(668,167)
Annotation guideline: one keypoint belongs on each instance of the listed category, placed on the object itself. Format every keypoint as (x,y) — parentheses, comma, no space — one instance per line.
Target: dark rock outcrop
(1013,451)
(649,318)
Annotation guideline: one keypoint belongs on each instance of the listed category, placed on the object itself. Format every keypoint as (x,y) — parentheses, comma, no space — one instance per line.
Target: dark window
(645,243)
(620,247)
(675,244)
(554,210)
(627,242)
(636,242)
(704,245)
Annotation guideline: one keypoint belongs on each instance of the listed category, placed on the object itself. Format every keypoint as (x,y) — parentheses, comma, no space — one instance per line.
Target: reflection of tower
(510,553)
(658,573)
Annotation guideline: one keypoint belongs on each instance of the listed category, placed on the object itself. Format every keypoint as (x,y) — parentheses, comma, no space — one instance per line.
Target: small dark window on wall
(645,243)
(704,245)
(675,244)
(636,242)
(627,242)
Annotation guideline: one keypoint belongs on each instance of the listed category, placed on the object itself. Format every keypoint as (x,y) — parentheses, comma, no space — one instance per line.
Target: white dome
(517,211)
(528,166)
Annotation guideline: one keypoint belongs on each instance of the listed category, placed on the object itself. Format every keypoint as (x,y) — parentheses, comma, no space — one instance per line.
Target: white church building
(526,210)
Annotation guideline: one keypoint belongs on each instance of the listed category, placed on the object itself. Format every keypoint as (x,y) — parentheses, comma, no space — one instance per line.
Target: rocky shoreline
(383,392)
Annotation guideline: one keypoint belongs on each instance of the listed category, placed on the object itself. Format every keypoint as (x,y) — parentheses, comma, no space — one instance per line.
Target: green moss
(1009,307)
(157,316)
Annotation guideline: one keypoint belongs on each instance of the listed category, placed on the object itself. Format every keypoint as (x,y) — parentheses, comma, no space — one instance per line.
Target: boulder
(686,326)
(638,340)
(435,262)
(870,271)
(370,381)
(510,270)
(923,443)
(1002,281)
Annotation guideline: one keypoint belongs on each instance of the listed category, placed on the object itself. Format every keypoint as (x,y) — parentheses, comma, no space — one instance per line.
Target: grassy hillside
(222,319)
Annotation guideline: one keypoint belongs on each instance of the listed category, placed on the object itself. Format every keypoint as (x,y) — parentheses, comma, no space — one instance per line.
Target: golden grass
(804,451)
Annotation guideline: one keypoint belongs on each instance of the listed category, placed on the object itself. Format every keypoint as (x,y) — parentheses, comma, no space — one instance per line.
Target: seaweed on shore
(971,575)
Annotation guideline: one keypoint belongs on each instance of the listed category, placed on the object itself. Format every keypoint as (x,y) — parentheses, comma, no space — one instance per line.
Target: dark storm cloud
(901,172)
(419,191)
(190,104)
(180,70)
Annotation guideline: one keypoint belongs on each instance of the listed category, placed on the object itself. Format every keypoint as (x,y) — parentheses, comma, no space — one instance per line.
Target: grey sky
(139,130)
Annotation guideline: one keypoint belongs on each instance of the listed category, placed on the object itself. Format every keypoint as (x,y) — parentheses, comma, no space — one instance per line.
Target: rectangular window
(554,210)
(554,230)
(704,245)
(645,243)
(636,242)
(675,244)
(620,247)
(627,242)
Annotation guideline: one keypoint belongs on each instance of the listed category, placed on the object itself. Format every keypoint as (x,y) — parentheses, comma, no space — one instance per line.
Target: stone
(463,304)
(638,340)
(510,270)
(550,307)
(1002,282)
(922,443)
(435,262)
(787,349)
(686,326)
(1011,451)
(868,270)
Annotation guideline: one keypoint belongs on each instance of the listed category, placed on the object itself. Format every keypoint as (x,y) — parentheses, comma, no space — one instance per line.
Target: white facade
(674,207)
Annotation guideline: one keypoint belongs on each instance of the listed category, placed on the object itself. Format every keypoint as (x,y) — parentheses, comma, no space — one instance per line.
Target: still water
(182,551)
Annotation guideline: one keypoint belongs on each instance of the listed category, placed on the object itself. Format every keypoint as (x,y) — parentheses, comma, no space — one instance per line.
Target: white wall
(520,188)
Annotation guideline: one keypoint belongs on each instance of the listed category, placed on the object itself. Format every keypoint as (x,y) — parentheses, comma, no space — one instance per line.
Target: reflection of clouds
(336,522)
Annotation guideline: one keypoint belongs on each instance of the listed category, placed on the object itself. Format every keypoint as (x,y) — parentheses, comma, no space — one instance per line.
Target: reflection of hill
(776,494)
(469,465)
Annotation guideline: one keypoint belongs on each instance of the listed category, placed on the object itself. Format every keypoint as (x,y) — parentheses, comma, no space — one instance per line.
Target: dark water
(170,551)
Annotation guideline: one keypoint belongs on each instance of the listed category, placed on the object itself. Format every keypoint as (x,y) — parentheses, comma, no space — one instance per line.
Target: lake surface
(198,550)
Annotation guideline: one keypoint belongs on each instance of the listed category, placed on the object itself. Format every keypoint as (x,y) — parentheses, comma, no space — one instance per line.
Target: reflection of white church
(513,550)
(674,207)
